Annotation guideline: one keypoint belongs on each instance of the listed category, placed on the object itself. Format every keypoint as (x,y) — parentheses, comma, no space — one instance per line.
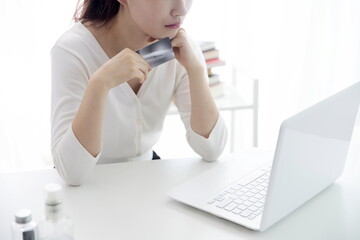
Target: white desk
(128,201)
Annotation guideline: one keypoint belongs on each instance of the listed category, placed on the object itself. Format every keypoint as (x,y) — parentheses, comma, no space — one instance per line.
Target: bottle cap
(23,216)
(53,194)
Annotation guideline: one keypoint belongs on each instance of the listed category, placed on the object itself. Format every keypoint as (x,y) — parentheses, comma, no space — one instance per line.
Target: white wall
(28,30)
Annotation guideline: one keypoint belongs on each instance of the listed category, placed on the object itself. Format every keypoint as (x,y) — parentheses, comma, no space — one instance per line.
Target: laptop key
(224,202)
(253,208)
(236,187)
(231,206)
(247,203)
(252,176)
(211,201)
(237,210)
(263,192)
(238,201)
(252,216)
(245,189)
(242,207)
(246,213)
(218,198)
(223,193)
(239,193)
(258,204)
(254,191)
(253,200)
(249,194)
(244,198)
(233,196)
(230,190)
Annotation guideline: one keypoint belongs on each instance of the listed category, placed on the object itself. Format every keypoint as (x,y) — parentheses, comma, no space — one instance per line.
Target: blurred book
(211,54)
(214,78)
(211,63)
(212,59)
(206,45)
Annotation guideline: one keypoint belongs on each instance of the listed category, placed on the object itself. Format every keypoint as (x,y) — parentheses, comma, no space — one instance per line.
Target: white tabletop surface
(129,201)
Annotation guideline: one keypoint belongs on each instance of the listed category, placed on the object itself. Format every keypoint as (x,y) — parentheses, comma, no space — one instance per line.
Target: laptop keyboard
(246,196)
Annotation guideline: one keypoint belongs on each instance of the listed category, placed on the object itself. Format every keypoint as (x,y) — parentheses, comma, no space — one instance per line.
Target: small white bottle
(56,225)
(23,228)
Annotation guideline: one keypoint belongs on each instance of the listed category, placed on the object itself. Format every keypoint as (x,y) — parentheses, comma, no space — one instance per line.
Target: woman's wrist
(195,69)
(99,83)
(98,87)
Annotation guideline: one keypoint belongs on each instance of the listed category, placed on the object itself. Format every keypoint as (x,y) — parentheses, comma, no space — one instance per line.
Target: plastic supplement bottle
(56,225)
(23,228)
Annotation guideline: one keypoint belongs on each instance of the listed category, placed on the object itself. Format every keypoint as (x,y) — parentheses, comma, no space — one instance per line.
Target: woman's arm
(78,106)
(204,113)
(206,131)
(88,123)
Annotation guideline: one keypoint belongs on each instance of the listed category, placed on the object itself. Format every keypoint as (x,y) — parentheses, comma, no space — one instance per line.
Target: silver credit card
(158,52)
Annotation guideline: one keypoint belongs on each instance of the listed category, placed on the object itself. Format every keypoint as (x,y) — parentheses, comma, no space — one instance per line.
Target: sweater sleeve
(208,148)
(69,81)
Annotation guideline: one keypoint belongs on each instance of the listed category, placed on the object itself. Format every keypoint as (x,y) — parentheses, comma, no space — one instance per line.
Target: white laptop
(310,155)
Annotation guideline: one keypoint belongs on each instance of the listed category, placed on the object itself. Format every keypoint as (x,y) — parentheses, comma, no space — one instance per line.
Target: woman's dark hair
(97,11)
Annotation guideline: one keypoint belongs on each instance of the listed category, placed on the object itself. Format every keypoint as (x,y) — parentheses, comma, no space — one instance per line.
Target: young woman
(108,105)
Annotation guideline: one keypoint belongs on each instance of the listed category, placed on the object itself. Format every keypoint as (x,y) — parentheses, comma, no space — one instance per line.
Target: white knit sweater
(132,123)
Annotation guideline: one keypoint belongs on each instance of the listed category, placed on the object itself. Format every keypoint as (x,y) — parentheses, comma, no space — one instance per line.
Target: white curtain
(301,50)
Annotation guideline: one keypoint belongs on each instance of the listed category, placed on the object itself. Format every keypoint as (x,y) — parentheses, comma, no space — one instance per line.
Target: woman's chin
(170,35)
(151,39)
(173,34)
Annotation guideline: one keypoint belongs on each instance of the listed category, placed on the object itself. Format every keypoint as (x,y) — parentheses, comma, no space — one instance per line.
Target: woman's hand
(123,67)
(183,51)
